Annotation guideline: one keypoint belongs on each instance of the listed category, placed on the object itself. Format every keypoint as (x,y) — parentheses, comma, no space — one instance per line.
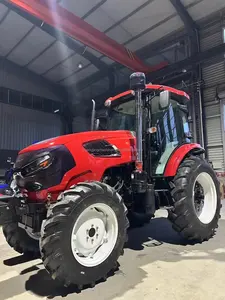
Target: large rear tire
(20,241)
(84,234)
(197,201)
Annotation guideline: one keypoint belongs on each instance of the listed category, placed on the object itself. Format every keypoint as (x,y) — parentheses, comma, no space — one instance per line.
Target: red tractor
(74,196)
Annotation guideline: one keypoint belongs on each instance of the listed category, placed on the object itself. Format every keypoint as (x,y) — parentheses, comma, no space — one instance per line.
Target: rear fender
(178,156)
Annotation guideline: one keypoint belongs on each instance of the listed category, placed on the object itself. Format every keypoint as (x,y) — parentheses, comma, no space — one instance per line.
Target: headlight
(38,164)
(44,168)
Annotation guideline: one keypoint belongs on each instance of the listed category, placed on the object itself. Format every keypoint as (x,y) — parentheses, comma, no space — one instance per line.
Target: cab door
(171,125)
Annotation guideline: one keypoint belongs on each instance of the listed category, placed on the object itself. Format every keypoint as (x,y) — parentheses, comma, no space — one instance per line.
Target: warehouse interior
(62,202)
(48,77)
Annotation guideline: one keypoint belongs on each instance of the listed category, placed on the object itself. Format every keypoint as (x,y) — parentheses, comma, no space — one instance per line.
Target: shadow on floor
(158,236)
(42,285)
(156,233)
(17,260)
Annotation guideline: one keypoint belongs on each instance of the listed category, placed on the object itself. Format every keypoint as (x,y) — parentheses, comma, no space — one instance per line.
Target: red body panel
(177,157)
(87,166)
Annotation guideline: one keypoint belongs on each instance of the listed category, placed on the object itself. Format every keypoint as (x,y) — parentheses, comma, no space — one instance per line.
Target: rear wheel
(197,203)
(84,234)
(21,241)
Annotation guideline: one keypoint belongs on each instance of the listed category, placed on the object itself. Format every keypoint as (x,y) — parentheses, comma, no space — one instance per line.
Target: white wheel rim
(209,204)
(94,235)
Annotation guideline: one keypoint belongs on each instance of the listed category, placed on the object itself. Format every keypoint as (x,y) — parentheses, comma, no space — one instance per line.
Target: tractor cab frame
(162,122)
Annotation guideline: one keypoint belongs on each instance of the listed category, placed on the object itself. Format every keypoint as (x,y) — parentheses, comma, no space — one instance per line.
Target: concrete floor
(157,265)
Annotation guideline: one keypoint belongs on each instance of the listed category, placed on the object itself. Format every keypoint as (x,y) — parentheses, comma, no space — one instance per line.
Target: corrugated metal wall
(213,73)
(211,36)
(19,127)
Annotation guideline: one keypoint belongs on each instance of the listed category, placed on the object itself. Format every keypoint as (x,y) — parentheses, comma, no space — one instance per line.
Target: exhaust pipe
(137,84)
(140,183)
(93,115)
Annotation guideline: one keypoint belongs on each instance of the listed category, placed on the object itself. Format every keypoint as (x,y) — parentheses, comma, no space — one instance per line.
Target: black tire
(56,232)
(183,214)
(20,241)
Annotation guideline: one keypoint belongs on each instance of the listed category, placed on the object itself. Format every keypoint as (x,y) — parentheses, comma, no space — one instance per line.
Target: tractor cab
(164,121)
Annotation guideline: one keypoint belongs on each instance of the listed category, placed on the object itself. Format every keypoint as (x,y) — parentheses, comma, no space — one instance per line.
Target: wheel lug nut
(96,236)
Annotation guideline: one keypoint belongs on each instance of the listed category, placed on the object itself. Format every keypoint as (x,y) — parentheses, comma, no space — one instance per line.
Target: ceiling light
(80,66)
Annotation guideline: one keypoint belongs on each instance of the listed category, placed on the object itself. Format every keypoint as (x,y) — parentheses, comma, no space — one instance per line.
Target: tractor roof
(152,87)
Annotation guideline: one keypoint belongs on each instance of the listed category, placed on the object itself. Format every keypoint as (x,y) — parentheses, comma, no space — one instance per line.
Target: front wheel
(197,202)
(84,234)
(20,240)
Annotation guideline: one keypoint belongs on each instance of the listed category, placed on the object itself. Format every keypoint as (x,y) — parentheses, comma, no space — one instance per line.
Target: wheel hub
(205,197)
(94,234)
(199,198)
(89,236)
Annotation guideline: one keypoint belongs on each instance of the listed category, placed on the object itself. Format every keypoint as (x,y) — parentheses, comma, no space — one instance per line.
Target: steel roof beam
(194,60)
(145,52)
(60,36)
(158,75)
(184,15)
(75,27)
(189,23)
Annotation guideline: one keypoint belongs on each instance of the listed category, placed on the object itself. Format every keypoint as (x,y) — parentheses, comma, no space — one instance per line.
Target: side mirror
(164,100)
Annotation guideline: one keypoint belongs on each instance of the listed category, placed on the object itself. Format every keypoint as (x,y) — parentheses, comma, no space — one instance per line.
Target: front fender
(178,155)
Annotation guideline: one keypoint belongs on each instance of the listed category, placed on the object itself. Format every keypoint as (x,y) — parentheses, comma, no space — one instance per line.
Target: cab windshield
(169,121)
(172,128)
(122,117)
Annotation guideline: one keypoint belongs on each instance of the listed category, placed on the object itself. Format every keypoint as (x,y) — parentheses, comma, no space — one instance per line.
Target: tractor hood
(78,138)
